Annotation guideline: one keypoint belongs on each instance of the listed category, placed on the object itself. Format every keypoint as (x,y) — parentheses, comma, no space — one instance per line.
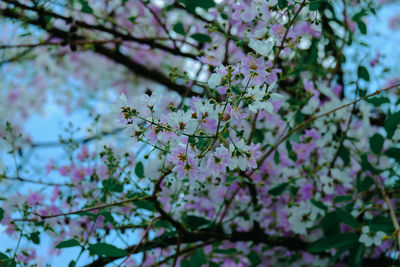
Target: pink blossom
(50,166)
(34,198)
(84,154)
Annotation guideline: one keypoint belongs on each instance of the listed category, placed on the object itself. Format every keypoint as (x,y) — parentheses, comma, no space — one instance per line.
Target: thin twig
(344,134)
(49,43)
(24,180)
(178,246)
(183,251)
(276,56)
(86,209)
(163,213)
(228,204)
(282,45)
(141,240)
(391,209)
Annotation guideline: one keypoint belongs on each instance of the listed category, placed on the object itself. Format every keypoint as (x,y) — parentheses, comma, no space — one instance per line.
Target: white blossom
(342,177)
(303,217)
(369,238)
(215,80)
(310,107)
(242,160)
(130,129)
(150,101)
(262,47)
(276,97)
(257,105)
(116,107)
(178,119)
(327,184)
(257,94)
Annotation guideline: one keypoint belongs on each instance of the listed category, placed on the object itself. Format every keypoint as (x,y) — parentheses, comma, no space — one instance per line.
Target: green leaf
(254,258)
(333,241)
(86,7)
(338,199)
(68,244)
(112,185)
(203,143)
(192,4)
(86,213)
(337,255)
(163,224)
(178,28)
(225,251)
(381,223)
(145,204)
(394,153)
(6,260)
(1,214)
(365,184)
(299,117)
(391,123)
(201,38)
(314,5)
(362,27)
(278,190)
(363,73)
(258,136)
(3,256)
(347,218)
(293,155)
(318,204)
(224,16)
(132,19)
(195,222)
(107,216)
(197,259)
(377,101)
(356,255)
(330,223)
(276,157)
(358,16)
(344,154)
(213,264)
(204,4)
(293,190)
(35,238)
(376,143)
(103,249)
(229,180)
(139,170)
(366,166)
(282,3)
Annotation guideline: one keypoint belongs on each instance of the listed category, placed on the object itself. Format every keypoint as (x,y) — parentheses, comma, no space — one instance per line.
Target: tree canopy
(214,133)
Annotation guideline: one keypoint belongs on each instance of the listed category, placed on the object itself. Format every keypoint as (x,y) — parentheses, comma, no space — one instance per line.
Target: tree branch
(126,37)
(255,236)
(114,55)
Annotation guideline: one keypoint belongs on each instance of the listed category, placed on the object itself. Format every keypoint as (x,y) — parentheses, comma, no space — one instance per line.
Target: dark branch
(257,237)
(114,55)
